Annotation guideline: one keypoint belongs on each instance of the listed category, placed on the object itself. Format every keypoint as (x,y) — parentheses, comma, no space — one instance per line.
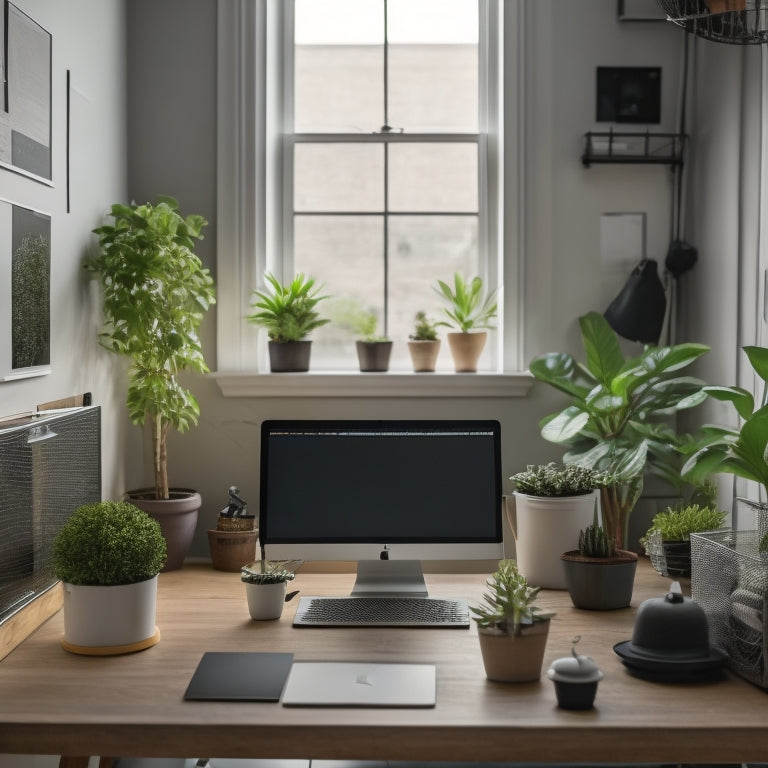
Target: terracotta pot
(511,658)
(424,354)
(231,550)
(466,349)
(177,517)
(544,527)
(600,583)
(374,355)
(289,356)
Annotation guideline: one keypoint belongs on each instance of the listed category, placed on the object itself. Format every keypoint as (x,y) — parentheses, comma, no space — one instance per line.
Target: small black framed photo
(629,95)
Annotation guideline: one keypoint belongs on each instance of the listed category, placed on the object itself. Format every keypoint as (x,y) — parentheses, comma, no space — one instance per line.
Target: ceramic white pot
(265,601)
(104,617)
(544,527)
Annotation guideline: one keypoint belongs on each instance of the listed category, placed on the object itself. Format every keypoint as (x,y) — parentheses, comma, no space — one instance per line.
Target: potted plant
(289,314)
(108,555)
(551,504)
(470,310)
(423,344)
(668,541)
(156,293)
(265,587)
(618,416)
(741,451)
(598,575)
(513,630)
(373,350)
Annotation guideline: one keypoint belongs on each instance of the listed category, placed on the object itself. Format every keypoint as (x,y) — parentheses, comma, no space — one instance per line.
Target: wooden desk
(53,702)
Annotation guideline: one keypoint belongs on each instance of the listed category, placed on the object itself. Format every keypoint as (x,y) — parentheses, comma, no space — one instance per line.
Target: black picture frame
(628,95)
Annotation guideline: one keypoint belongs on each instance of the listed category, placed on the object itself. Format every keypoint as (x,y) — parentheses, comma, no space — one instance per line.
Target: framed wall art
(25,101)
(25,292)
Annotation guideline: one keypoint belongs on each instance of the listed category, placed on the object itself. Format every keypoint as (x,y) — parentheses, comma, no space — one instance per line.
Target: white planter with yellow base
(103,621)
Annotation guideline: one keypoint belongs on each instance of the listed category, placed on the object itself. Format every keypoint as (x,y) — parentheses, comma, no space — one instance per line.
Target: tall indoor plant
(470,310)
(156,293)
(618,418)
(289,314)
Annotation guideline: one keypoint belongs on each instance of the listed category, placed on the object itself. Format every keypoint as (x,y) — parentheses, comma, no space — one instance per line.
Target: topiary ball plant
(107,544)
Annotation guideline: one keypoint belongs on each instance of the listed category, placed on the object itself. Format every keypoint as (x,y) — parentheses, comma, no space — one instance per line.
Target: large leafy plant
(156,293)
(288,312)
(618,418)
(741,452)
(468,306)
(108,543)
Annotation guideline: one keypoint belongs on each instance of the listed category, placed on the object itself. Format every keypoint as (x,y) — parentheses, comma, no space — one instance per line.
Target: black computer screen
(380,482)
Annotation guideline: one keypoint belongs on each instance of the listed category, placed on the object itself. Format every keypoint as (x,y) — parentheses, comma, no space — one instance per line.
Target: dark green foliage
(108,543)
(509,605)
(553,480)
(289,311)
(594,542)
(30,302)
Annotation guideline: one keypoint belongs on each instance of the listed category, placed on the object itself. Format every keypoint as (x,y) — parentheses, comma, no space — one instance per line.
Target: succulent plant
(595,542)
(269,571)
(553,480)
(509,605)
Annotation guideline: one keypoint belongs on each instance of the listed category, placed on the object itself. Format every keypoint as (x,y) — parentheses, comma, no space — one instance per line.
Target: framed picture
(25,292)
(640,10)
(629,95)
(25,113)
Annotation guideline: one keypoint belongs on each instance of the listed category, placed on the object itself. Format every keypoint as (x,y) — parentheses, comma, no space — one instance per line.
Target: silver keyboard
(381,612)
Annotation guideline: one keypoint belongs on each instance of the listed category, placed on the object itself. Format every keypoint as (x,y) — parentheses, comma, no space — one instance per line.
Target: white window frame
(250,194)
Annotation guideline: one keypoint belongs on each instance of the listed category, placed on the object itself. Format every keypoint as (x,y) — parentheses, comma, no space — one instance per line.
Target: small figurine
(236,506)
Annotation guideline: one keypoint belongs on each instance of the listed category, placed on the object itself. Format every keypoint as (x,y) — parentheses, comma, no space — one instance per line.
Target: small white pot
(265,601)
(122,615)
(545,527)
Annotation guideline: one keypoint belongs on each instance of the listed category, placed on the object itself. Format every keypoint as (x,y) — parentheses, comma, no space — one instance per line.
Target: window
(381,166)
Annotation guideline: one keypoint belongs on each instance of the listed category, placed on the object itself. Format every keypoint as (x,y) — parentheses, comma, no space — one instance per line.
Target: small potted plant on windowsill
(108,555)
(423,344)
(668,541)
(289,315)
(470,310)
(373,350)
(513,630)
(597,574)
(550,505)
(265,586)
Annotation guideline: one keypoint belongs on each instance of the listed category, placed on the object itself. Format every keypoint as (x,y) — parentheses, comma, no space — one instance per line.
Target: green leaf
(758,358)
(741,399)
(565,425)
(561,370)
(604,356)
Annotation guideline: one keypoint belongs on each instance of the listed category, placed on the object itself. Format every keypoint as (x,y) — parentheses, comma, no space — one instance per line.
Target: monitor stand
(389,577)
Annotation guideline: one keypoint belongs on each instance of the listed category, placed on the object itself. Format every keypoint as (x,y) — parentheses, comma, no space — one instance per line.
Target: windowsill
(356,384)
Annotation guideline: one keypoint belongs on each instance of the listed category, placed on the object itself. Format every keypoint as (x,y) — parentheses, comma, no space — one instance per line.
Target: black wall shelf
(638,148)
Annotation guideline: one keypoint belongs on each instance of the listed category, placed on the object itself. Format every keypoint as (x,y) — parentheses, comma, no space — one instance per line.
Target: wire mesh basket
(671,558)
(729,579)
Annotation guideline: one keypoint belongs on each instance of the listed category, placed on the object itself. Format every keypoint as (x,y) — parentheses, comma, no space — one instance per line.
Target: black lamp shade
(637,313)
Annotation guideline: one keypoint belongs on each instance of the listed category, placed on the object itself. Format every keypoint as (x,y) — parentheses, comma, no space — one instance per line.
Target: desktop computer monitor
(387,494)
